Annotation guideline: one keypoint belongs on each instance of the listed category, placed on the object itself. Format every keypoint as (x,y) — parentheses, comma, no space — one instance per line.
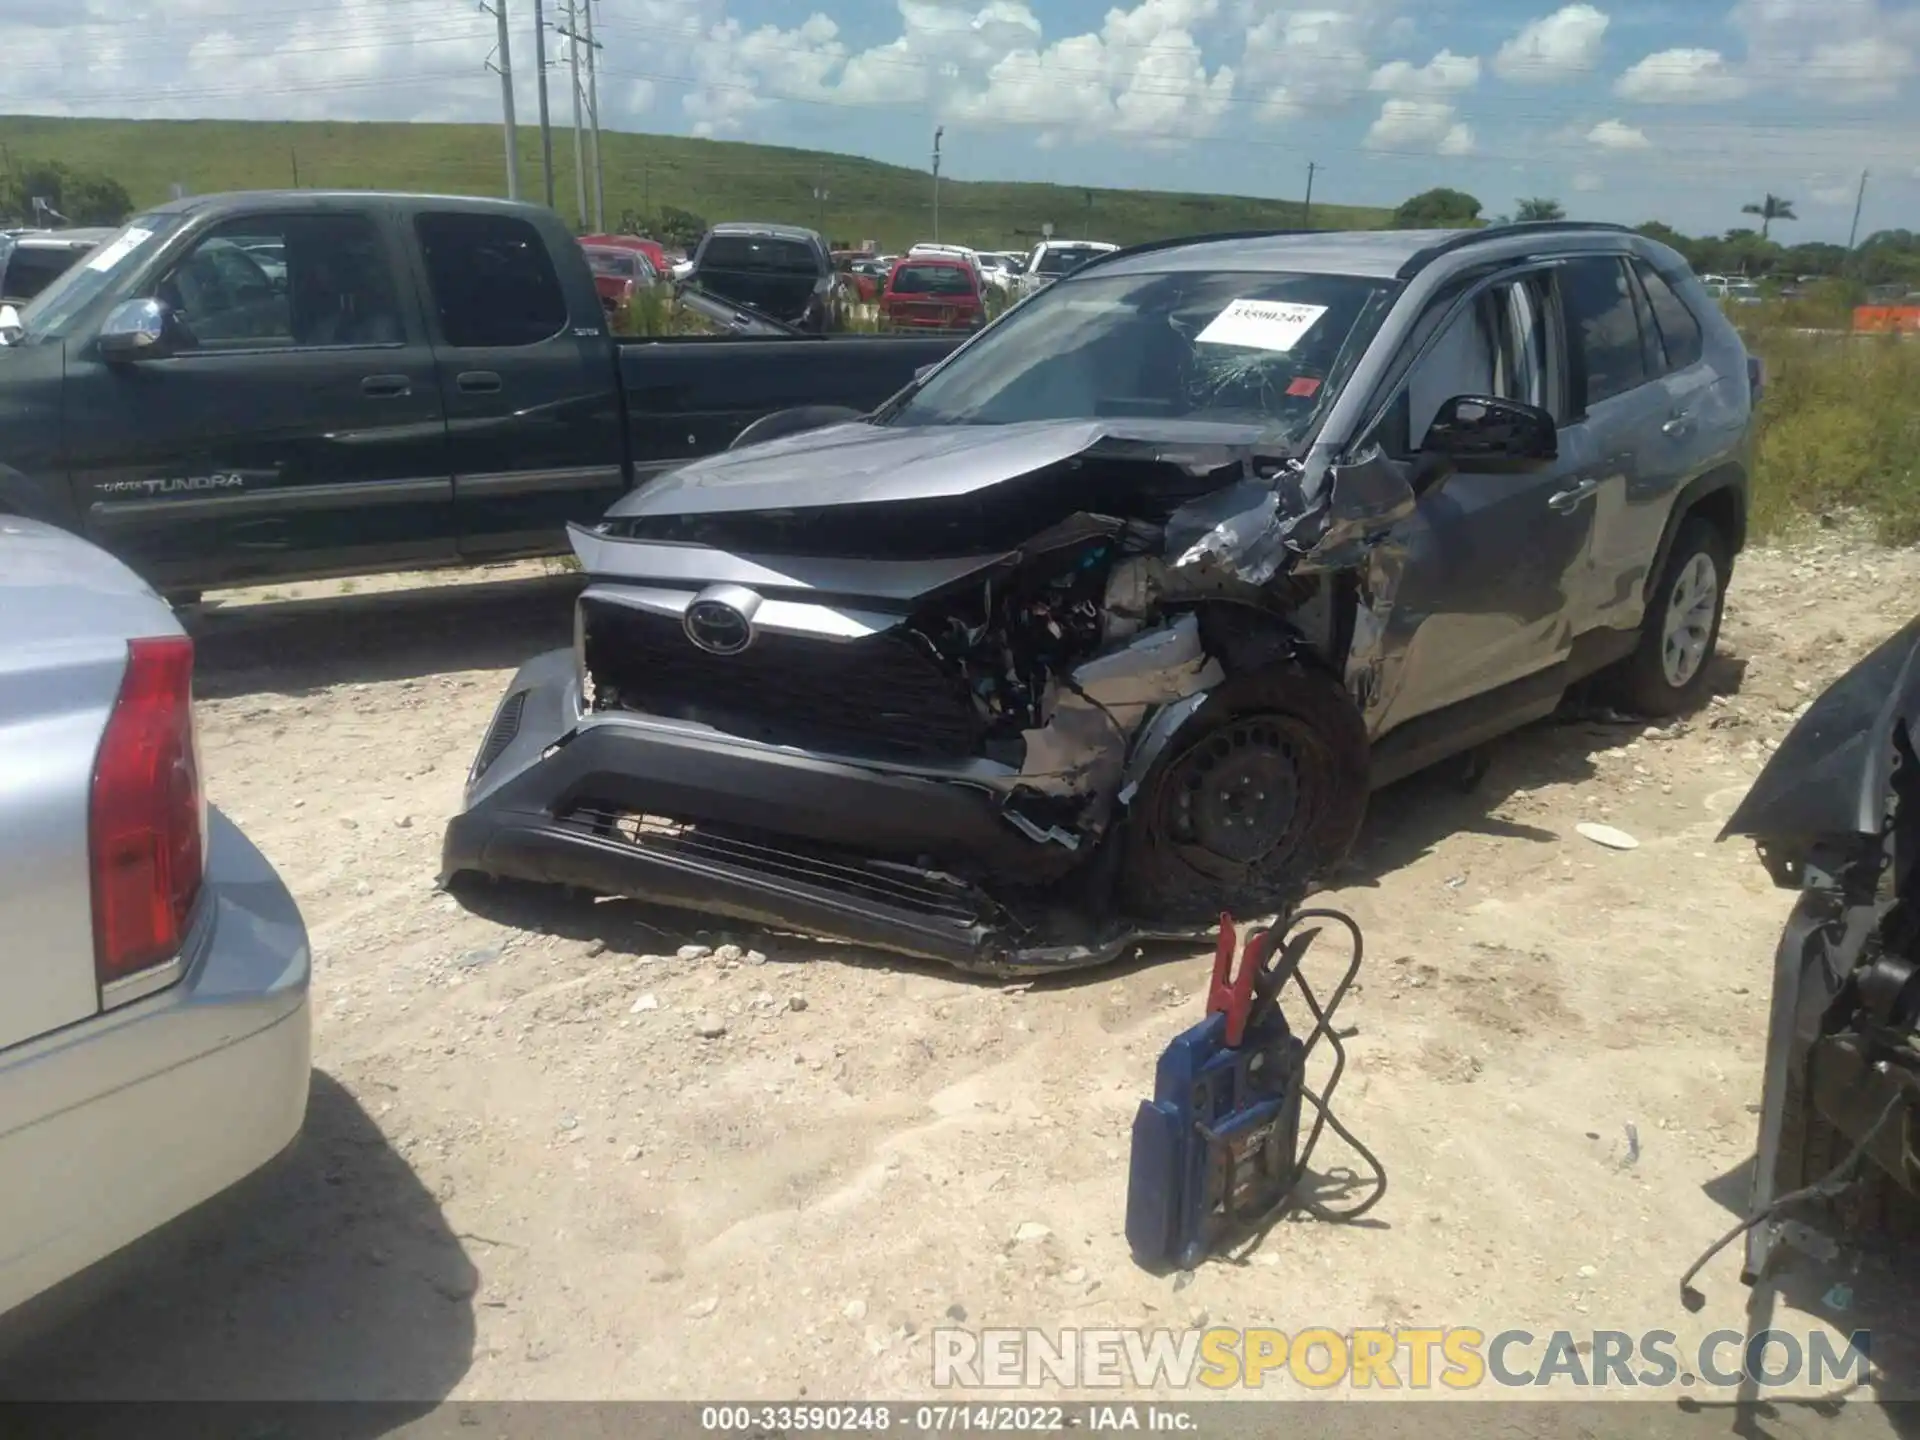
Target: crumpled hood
(1830,778)
(861,464)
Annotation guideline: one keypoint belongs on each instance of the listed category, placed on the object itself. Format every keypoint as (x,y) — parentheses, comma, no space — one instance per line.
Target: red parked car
(926,292)
(654,251)
(619,273)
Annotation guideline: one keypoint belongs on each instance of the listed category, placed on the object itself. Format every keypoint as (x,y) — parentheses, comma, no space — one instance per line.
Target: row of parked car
(788,275)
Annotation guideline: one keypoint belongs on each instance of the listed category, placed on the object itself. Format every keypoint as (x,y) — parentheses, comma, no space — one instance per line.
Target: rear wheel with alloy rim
(1258,794)
(1668,672)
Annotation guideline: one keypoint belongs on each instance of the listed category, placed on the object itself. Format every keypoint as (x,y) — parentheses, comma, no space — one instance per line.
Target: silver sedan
(154,1024)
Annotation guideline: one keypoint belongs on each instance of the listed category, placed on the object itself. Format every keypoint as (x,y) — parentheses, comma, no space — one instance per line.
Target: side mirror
(137,330)
(1477,429)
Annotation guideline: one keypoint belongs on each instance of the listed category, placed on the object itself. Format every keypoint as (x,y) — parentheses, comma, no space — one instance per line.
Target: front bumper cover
(754,833)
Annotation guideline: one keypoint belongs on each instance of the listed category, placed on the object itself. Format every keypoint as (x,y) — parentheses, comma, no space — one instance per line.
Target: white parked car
(1052,259)
(154,1027)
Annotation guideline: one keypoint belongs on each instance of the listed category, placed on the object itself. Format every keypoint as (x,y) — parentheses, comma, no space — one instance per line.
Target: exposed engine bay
(1011,735)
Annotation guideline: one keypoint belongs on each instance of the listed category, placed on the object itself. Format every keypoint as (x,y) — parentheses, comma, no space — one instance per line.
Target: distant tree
(1540,208)
(1815,258)
(674,226)
(1437,209)
(1769,210)
(80,197)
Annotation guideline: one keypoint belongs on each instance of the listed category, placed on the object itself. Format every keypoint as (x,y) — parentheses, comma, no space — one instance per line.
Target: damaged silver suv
(1111,620)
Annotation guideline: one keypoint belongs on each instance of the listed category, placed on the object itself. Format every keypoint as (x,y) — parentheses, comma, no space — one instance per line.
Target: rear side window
(1602,326)
(1679,329)
(493,282)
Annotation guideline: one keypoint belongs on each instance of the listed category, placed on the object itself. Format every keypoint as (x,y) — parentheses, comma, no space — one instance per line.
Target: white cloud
(1553,47)
(1682,77)
(1302,56)
(1618,135)
(1142,75)
(1586,182)
(1420,125)
(1445,74)
(1836,51)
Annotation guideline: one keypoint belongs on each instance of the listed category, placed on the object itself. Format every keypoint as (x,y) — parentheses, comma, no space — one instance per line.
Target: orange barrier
(1886,319)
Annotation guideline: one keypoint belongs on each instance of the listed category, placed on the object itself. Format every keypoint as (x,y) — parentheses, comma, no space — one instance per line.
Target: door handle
(1677,426)
(382,387)
(1568,501)
(478,382)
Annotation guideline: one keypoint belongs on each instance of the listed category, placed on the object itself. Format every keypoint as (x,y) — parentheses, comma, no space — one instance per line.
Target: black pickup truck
(279,385)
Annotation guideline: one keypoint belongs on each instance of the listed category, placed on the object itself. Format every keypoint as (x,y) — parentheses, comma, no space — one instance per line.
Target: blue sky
(1624,111)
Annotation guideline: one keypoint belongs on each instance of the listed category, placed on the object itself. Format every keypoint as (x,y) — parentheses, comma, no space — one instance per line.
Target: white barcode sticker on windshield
(1260,324)
(123,245)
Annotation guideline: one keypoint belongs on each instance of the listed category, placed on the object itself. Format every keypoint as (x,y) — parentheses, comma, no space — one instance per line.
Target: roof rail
(1147,247)
(1420,259)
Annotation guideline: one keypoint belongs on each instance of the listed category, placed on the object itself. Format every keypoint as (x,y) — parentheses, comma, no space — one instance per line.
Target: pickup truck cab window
(296,281)
(492,281)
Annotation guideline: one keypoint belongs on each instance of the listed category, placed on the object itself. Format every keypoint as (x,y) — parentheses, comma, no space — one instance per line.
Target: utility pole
(573,66)
(504,68)
(820,194)
(938,131)
(1089,229)
(293,157)
(593,110)
(1306,219)
(546,131)
(1859,202)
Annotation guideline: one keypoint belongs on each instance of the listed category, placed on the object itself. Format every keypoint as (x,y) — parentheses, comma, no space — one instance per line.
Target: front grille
(878,696)
(867,882)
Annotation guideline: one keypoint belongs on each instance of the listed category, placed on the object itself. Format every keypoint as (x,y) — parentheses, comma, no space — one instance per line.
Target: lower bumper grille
(865,883)
(877,696)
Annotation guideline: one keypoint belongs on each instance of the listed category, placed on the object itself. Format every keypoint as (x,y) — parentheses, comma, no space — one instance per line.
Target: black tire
(1288,750)
(1641,682)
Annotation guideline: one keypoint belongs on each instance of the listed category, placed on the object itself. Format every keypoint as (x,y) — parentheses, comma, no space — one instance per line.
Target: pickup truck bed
(357,382)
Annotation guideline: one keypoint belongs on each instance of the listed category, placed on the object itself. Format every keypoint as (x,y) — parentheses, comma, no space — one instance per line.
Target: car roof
(755,227)
(1370,254)
(329,200)
(934,257)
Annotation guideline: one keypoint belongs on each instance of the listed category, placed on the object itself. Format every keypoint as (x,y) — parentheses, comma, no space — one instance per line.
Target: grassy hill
(716,179)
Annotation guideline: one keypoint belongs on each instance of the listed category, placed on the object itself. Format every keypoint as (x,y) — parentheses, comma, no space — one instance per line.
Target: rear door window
(492,281)
(1603,327)
(29,269)
(1678,327)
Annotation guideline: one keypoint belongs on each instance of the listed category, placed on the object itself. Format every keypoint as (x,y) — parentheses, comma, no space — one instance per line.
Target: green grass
(716,179)
(1839,427)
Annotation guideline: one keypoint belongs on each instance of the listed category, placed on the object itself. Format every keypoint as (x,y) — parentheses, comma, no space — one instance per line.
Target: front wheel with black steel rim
(1258,794)
(1668,672)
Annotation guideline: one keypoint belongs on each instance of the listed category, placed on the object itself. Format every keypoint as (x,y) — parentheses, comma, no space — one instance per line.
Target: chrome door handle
(1569,500)
(1677,426)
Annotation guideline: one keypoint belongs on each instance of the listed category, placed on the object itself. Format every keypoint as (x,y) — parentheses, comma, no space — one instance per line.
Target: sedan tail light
(146,816)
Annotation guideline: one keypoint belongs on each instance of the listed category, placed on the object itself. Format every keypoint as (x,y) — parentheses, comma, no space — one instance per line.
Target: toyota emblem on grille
(720,619)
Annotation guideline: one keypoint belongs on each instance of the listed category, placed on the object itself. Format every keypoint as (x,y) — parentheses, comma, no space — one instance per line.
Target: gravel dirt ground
(569,1158)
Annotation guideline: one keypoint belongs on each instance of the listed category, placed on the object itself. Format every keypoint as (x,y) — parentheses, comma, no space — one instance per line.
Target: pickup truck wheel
(1261,791)
(1667,673)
